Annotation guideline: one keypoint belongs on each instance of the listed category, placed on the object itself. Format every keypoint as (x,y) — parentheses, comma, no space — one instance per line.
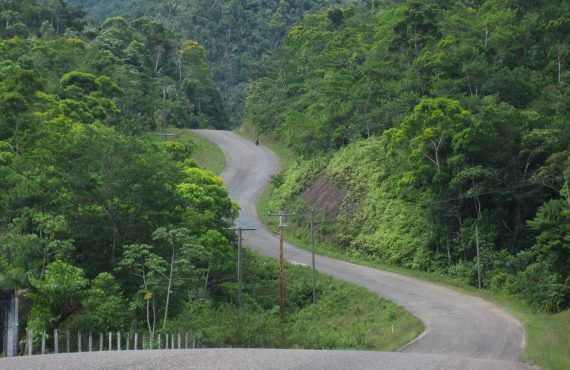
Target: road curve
(462,332)
(456,324)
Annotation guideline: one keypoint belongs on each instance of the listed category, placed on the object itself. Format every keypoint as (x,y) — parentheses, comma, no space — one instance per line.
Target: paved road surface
(456,324)
(462,332)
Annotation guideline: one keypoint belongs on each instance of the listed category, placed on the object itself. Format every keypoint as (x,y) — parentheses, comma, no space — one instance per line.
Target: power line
(492,191)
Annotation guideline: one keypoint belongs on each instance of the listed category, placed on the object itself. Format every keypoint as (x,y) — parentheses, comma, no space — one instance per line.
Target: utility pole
(239,231)
(478,257)
(282,226)
(312,223)
(312,213)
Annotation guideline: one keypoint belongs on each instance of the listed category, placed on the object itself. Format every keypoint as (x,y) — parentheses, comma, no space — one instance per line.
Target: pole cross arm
(281,216)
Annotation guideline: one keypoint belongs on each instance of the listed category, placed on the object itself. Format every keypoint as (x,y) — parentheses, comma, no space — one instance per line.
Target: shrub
(542,289)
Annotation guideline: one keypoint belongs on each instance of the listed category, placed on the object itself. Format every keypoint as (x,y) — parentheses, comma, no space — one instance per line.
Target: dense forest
(106,226)
(154,77)
(445,124)
(94,210)
(238,35)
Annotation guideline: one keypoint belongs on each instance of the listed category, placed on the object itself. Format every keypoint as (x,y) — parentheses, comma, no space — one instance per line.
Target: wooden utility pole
(239,231)
(313,255)
(312,223)
(282,226)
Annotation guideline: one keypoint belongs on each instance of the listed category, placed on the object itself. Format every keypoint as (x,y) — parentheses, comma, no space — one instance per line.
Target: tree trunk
(169,286)
(180,71)
(559,67)
(448,249)
(157,60)
(148,316)
(207,274)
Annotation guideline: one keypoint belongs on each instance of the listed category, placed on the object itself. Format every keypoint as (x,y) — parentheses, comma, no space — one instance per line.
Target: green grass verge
(207,155)
(548,335)
(367,323)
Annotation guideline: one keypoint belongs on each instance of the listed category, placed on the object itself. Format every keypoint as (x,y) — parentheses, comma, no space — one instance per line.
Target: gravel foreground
(262,359)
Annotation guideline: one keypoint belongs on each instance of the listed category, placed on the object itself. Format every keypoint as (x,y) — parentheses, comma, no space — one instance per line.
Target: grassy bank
(207,155)
(368,322)
(548,335)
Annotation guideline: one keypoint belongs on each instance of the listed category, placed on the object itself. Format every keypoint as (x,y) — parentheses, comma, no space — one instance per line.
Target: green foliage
(43,18)
(438,121)
(62,297)
(76,185)
(540,288)
(138,68)
(58,295)
(329,324)
(552,222)
(106,307)
(239,36)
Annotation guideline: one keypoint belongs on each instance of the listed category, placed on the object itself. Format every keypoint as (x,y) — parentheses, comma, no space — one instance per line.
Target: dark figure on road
(257,141)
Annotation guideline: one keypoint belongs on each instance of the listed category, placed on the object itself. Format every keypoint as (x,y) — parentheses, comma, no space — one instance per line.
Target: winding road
(462,331)
(457,325)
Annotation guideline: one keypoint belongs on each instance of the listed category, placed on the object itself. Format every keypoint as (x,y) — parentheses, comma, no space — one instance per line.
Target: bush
(542,289)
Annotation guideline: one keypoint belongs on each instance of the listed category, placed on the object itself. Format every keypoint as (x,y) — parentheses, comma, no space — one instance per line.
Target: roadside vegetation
(344,317)
(444,130)
(548,334)
(202,151)
(438,134)
(105,226)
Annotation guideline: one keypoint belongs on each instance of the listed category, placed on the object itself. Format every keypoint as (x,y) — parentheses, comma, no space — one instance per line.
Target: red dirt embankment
(324,195)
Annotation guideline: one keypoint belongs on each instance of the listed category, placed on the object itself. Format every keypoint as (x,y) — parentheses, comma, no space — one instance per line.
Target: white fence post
(55,341)
(31,343)
(43,342)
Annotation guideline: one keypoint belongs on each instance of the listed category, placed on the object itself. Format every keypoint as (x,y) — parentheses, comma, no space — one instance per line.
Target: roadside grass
(547,335)
(349,317)
(367,323)
(207,155)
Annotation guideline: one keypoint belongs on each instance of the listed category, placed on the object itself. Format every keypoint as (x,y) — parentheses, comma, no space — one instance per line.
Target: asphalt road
(456,324)
(462,331)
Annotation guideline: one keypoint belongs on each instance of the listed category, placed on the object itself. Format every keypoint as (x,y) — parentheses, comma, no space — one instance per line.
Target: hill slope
(238,35)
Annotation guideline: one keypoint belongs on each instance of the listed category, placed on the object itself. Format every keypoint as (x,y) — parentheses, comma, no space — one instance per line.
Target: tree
(557,31)
(179,241)
(417,28)
(57,296)
(427,135)
(142,262)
